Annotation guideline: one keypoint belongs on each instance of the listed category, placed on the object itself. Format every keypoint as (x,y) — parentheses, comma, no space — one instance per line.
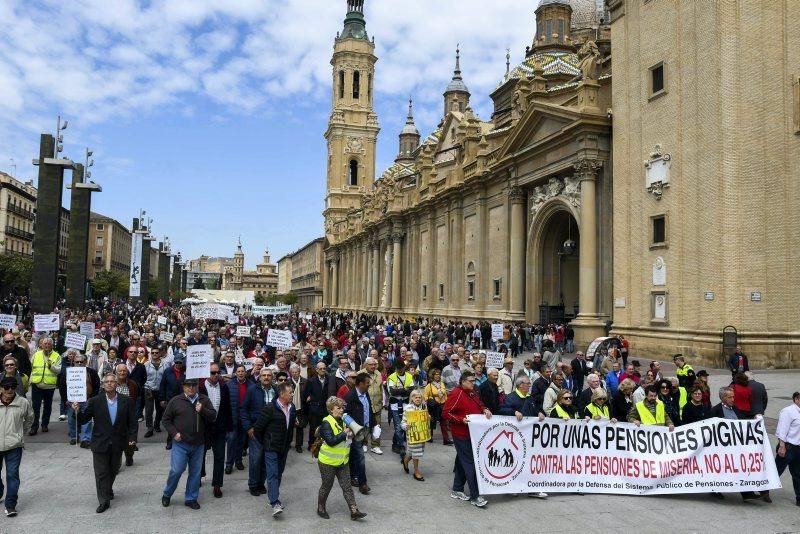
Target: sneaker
(62,417)
(277,508)
(141,419)
(11,512)
(538,495)
(73,441)
(376,450)
(479,501)
(364,448)
(459,495)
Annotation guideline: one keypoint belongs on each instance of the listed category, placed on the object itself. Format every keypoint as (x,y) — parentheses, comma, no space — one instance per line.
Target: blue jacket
(252,406)
(514,403)
(233,388)
(612,383)
(170,386)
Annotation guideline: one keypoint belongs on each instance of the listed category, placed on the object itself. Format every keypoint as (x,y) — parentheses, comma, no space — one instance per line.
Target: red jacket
(458,405)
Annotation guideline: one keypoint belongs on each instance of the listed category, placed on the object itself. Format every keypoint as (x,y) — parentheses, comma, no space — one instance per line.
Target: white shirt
(789,425)
(213,394)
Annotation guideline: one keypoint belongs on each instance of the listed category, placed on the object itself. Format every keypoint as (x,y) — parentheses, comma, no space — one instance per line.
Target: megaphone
(359,432)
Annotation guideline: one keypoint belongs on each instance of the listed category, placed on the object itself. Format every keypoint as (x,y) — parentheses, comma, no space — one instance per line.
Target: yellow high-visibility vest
(596,410)
(334,455)
(40,373)
(647,418)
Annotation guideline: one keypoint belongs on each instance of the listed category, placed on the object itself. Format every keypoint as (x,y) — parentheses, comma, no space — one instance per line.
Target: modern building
(109,246)
(300,272)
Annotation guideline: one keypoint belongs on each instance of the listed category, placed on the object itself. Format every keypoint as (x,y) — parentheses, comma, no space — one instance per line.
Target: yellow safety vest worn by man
(646,416)
(338,454)
(596,410)
(683,399)
(45,369)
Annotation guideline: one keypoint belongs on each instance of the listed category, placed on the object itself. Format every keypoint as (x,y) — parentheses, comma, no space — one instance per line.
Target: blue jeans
(234,440)
(399,437)
(570,346)
(39,396)
(184,455)
(358,466)
(12,457)
(256,475)
(274,464)
(465,468)
(86,430)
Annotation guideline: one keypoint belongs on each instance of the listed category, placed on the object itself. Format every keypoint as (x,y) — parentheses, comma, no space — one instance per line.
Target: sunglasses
(567,398)
(8,341)
(9,365)
(80,361)
(214,372)
(7,387)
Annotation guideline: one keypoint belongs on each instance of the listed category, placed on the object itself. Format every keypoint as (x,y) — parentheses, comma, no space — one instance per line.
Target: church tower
(353,126)
(409,137)
(238,266)
(456,96)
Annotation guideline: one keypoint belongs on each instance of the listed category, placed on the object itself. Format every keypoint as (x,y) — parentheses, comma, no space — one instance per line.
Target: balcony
(16,232)
(22,212)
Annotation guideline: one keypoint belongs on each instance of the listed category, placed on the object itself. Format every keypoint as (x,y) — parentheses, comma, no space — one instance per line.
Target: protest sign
(553,455)
(242,331)
(76,384)
(233,319)
(74,340)
(419,428)
(309,317)
(166,336)
(46,323)
(497,330)
(7,322)
(494,359)
(216,312)
(280,339)
(198,361)
(161,320)
(87,329)
(271,310)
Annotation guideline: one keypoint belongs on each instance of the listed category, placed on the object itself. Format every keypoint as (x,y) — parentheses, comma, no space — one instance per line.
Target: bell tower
(353,126)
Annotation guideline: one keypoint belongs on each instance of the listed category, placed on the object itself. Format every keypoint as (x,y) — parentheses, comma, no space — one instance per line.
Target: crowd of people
(327,394)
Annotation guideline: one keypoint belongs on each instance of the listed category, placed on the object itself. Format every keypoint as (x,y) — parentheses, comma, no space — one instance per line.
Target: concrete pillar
(145,285)
(78,251)
(163,272)
(333,298)
(184,279)
(457,281)
(363,286)
(175,280)
(516,286)
(396,270)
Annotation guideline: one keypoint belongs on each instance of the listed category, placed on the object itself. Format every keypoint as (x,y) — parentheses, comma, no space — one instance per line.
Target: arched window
(353,172)
(341,84)
(356,84)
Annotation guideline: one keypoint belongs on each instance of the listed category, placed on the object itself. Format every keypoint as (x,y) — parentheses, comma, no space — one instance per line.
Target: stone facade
(720,147)
(263,281)
(285,274)
(109,246)
(17,215)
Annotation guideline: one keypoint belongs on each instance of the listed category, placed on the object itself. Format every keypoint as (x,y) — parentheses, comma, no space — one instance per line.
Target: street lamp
(59,136)
(89,163)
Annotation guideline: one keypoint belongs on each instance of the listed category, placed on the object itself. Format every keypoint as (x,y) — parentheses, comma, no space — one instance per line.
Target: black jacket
(490,396)
(326,433)
(716,411)
(138,374)
(538,390)
(21,355)
(355,408)
(105,436)
(620,406)
(579,371)
(224,421)
(271,429)
(317,394)
(692,413)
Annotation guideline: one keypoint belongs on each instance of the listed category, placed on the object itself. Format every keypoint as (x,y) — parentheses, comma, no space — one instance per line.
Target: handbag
(317,445)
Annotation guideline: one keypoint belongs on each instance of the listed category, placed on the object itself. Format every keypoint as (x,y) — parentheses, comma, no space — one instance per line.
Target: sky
(210,114)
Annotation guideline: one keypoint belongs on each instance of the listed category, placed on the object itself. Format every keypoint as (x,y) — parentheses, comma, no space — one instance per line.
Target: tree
(198,283)
(16,271)
(112,284)
(260,299)
(289,298)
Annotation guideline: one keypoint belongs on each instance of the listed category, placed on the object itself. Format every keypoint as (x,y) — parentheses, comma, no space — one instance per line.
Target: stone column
(333,298)
(516,286)
(457,280)
(363,280)
(78,252)
(396,270)
(368,272)
(145,262)
(587,325)
(376,274)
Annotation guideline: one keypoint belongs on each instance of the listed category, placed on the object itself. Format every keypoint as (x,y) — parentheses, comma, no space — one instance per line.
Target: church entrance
(555,247)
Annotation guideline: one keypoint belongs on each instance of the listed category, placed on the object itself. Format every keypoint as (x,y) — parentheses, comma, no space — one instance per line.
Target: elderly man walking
(16,418)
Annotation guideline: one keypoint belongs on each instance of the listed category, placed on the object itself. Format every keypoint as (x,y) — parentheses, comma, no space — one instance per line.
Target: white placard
(217,312)
(7,322)
(135,284)
(76,384)
(86,328)
(233,319)
(308,317)
(242,331)
(271,310)
(280,339)
(198,361)
(46,323)
(166,336)
(75,340)
(495,359)
(497,330)
(161,320)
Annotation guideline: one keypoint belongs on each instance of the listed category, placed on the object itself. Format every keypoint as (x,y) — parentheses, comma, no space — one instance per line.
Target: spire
(355,27)
(508,62)
(457,71)
(457,83)
(239,246)
(410,127)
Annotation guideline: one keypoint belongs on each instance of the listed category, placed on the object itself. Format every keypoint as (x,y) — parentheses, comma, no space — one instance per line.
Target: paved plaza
(58,495)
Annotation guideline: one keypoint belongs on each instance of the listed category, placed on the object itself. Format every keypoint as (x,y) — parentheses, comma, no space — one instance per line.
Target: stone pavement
(57,495)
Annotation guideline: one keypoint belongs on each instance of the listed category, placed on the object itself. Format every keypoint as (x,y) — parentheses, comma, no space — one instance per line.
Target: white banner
(494,359)
(166,336)
(497,330)
(217,312)
(136,264)
(280,339)
(233,319)
(198,361)
(86,328)
(76,384)
(74,340)
(242,331)
(161,320)
(46,323)
(7,322)
(719,455)
(271,310)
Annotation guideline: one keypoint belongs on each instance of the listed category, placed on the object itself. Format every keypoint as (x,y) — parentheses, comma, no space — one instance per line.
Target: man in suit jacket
(115,429)
(172,385)
(220,396)
(758,403)
(300,405)
(359,407)
(273,430)
(138,374)
(318,389)
(579,371)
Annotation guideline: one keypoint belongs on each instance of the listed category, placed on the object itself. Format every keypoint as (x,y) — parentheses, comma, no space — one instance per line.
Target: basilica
(577,200)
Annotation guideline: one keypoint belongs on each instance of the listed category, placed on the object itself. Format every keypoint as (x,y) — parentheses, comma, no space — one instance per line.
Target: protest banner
(280,339)
(86,328)
(233,319)
(76,384)
(46,322)
(497,330)
(135,274)
(271,310)
(216,312)
(309,317)
(719,455)
(494,359)
(7,322)
(242,331)
(198,361)
(161,320)
(166,336)
(74,340)
(419,428)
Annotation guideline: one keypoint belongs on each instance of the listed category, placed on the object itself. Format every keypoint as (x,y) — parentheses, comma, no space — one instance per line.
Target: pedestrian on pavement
(375,392)
(45,366)
(172,385)
(12,349)
(414,451)
(217,431)
(155,369)
(759,398)
(11,369)
(359,407)
(738,362)
(16,418)
(185,419)
(299,401)
(788,451)
(235,440)
(256,397)
(84,433)
(115,429)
